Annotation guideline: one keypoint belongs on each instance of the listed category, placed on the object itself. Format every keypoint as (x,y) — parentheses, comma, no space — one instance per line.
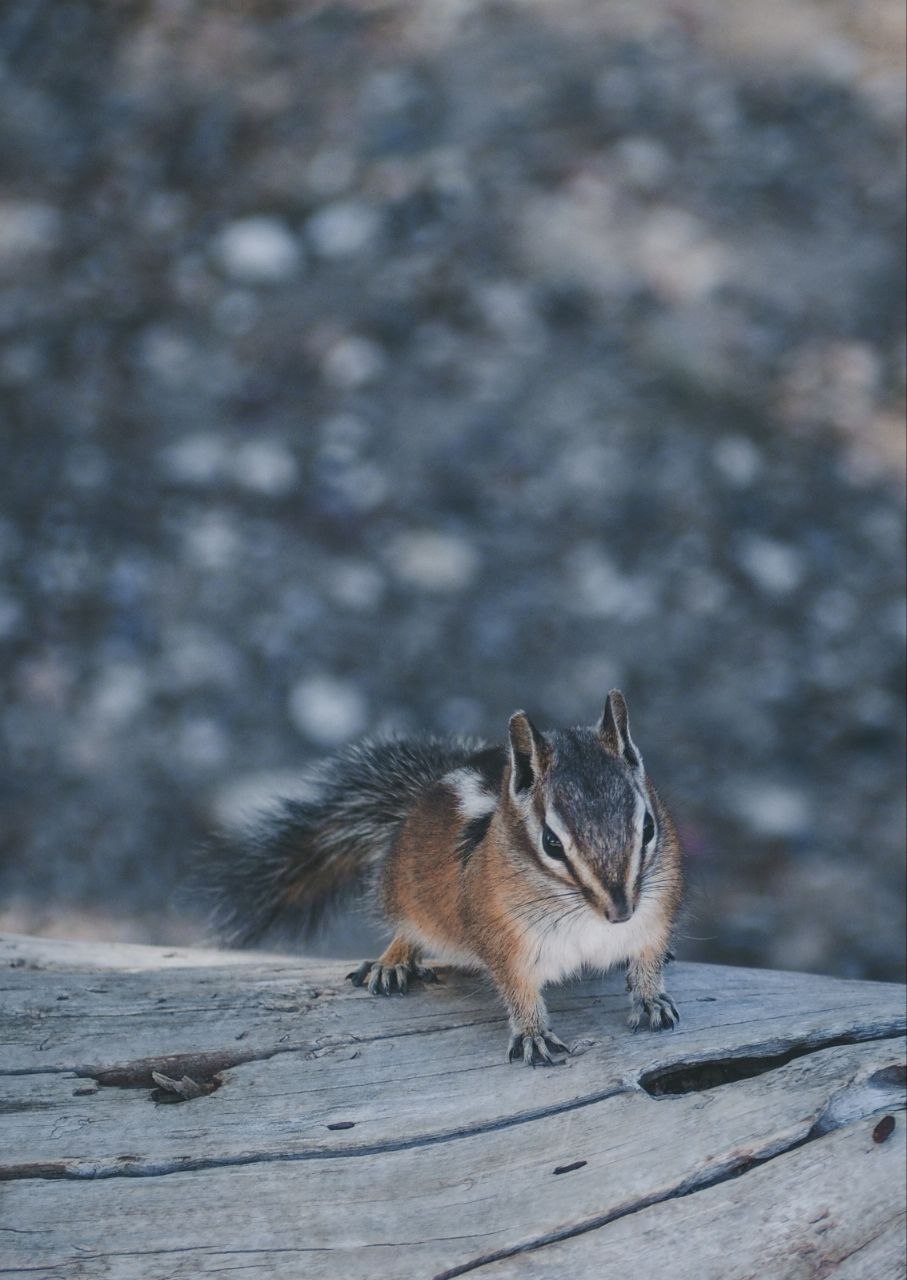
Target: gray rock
(258,251)
(328,711)
(344,229)
(775,567)
(434,562)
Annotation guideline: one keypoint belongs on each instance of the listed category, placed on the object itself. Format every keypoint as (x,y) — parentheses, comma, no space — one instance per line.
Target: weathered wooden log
(175,1113)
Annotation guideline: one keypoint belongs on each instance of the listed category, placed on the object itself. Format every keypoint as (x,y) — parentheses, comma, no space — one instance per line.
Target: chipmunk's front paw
(389,979)
(536,1050)
(661,1012)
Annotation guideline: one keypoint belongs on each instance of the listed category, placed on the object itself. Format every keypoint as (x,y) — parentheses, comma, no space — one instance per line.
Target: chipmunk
(529,861)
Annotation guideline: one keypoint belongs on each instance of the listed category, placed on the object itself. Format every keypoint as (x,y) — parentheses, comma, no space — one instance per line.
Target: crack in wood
(254,1055)
(869,1097)
(712,1073)
(189,1165)
(730,1169)
(202,1067)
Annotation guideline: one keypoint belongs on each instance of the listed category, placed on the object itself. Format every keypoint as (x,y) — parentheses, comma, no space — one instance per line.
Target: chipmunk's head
(582,798)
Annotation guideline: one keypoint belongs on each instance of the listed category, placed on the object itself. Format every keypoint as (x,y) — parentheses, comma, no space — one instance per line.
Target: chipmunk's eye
(648,828)
(552,845)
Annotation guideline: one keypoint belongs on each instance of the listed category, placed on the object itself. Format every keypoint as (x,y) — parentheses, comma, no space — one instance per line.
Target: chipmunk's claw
(358,976)
(388,979)
(536,1050)
(660,1011)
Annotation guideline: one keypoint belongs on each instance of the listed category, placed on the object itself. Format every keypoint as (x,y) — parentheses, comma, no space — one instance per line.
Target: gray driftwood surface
(360,1138)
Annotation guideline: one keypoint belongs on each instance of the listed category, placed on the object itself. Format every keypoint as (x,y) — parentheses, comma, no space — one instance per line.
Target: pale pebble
(772,809)
(258,251)
(343,229)
(775,567)
(327,710)
(265,467)
(430,561)
(353,362)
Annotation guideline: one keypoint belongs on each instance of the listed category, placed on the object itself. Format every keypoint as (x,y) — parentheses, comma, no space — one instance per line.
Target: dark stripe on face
(472,835)
(565,861)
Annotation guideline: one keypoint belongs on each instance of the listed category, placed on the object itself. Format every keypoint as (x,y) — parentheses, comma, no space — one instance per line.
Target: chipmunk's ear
(614,730)
(528,753)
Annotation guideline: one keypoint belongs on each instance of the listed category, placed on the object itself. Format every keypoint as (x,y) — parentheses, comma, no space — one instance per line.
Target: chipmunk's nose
(620,910)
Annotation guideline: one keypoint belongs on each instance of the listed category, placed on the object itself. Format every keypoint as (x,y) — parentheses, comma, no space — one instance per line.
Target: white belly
(586,941)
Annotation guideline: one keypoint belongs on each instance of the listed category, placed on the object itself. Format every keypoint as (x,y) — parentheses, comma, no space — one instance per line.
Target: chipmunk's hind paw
(389,979)
(661,1013)
(536,1050)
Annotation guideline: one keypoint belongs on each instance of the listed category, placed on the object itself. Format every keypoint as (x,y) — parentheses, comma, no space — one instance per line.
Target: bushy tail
(301,857)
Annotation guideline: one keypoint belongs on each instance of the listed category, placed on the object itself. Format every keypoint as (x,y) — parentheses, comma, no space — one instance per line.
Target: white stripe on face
(638,853)
(580,872)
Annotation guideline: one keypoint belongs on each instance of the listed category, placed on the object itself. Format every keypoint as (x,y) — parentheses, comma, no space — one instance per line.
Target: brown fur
(482,912)
(507,910)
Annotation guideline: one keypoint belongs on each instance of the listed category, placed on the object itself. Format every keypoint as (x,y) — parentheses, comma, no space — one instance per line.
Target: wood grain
(355,1137)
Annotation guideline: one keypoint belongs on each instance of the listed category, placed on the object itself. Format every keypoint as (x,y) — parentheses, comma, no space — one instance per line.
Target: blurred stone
(354,486)
(738,460)
(507,308)
(344,229)
(29,229)
(202,744)
(194,657)
(771,809)
(265,467)
(12,616)
(596,587)
(678,256)
(212,541)
(596,467)
(703,345)
(196,459)
(353,362)
(169,356)
(356,585)
(258,251)
(775,567)
(574,236)
(645,162)
(20,363)
(328,711)
(435,562)
(833,383)
(120,693)
(241,799)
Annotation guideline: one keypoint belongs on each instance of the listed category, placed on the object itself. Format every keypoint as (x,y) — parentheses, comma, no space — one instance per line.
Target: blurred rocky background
(382,366)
